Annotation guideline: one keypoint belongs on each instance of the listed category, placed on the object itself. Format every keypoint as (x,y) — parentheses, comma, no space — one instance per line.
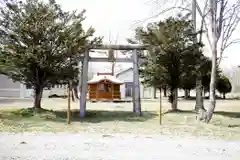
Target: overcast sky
(116,19)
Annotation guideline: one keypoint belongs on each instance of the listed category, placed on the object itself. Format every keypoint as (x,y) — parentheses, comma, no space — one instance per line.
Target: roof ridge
(98,78)
(123,71)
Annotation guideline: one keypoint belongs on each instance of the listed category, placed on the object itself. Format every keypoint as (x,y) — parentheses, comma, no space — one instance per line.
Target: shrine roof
(97,78)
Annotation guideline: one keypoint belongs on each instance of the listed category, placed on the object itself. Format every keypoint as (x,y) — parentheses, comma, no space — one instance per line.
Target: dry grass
(118,117)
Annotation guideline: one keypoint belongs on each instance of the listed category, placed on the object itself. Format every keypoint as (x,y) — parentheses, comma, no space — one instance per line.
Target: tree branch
(228,26)
(163,11)
(203,15)
(223,5)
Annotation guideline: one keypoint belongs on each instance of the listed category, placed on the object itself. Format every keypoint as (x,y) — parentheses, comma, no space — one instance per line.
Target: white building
(8,88)
(126,76)
(11,89)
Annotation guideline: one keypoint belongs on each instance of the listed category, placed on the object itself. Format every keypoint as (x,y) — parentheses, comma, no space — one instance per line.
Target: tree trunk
(75,91)
(199,96)
(72,95)
(160,107)
(186,93)
(165,91)
(174,99)
(212,91)
(155,93)
(224,96)
(199,107)
(38,97)
(203,92)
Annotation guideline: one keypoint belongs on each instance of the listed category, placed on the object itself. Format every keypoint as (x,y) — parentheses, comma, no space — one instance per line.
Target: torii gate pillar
(84,86)
(136,84)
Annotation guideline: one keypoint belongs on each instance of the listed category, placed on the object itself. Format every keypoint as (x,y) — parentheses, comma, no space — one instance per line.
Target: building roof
(97,78)
(124,71)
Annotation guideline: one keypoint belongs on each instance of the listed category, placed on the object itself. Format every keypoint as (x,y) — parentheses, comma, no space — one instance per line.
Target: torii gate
(134,59)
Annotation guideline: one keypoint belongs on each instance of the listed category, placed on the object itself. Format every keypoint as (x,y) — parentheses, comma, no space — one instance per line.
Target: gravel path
(83,146)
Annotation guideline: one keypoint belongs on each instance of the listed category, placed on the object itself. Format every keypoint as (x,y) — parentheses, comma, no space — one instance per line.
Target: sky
(116,19)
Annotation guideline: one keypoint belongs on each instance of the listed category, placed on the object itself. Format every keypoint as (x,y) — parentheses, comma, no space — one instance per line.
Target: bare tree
(227,18)
(224,20)
(199,107)
(159,9)
(112,55)
(230,21)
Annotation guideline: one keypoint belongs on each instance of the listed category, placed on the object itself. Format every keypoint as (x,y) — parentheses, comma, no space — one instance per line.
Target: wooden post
(69,101)
(136,84)
(97,91)
(133,95)
(160,109)
(112,89)
(84,86)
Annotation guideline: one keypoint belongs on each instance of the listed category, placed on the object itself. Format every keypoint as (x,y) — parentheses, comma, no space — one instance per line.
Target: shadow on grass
(207,97)
(228,114)
(92,116)
(233,125)
(180,111)
(221,113)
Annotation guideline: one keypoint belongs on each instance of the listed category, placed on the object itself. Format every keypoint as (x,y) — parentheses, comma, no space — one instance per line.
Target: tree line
(175,59)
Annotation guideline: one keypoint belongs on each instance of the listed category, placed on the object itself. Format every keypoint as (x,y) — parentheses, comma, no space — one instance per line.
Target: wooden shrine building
(104,86)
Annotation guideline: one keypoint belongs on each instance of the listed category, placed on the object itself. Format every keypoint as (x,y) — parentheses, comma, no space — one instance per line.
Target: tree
(190,71)
(206,73)
(224,86)
(188,82)
(41,43)
(164,88)
(112,55)
(170,44)
(184,12)
(224,21)
(151,75)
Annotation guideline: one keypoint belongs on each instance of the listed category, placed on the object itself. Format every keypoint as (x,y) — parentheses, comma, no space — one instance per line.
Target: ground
(112,131)
(118,118)
(85,146)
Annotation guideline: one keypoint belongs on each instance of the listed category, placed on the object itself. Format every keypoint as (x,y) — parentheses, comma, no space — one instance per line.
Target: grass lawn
(118,118)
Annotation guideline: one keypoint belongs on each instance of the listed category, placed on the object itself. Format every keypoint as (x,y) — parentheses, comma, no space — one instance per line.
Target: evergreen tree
(41,44)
